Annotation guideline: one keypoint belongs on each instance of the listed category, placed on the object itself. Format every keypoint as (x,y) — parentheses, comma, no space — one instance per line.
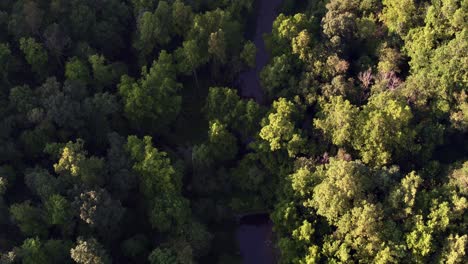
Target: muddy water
(250,80)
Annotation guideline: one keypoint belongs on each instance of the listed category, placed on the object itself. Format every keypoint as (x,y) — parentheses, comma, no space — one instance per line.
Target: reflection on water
(255,238)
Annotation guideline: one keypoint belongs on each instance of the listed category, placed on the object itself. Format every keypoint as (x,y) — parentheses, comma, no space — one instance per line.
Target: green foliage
(189,58)
(35,251)
(73,162)
(279,128)
(5,58)
(160,184)
(104,74)
(75,69)
(162,256)
(182,17)
(385,131)
(58,210)
(356,149)
(225,105)
(286,28)
(380,131)
(35,55)
(277,75)
(399,15)
(217,45)
(154,99)
(455,249)
(336,120)
(30,219)
(339,23)
(343,185)
(154,28)
(41,182)
(32,252)
(154,167)
(248,54)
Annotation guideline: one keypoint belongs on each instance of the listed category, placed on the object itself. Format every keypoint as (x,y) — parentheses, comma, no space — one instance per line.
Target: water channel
(254,233)
(250,80)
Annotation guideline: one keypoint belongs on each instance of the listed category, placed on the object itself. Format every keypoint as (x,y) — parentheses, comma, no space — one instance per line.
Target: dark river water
(255,238)
(254,233)
(250,80)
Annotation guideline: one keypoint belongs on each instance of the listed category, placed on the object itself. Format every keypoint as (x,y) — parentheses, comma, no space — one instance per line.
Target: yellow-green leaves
(336,120)
(381,131)
(399,15)
(279,129)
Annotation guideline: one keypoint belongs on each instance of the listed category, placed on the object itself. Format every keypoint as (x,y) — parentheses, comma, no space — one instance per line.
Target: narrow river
(255,238)
(254,233)
(250,80)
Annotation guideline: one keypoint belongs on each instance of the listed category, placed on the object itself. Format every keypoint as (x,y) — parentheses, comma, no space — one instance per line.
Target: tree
(56,40)
(279,128)
(403,197)
(189,58)
(339,23)
(162,256)
(73,162)
(104,74)
(154,28)
(342,187)
(286,29)
(217,46)
(5,58)
(75,69)
(35,55)
(455,249)
(135,247)
(83,18)
(223,144)
(435,48)
(248,54)
(277,77)
(101,212)
(154,99)
(22,98)
(301,45)
(160,184)
(58,210)
(336,120)
(146,37)
(32,252)
(384,131)
(61,104)
(89,251)
(225,105)
(118,164)
(35,251)
(459,117)
(33,15)
(30,219)
(182,17)
(156,173)
(399,15)
(361,228)
(41,183)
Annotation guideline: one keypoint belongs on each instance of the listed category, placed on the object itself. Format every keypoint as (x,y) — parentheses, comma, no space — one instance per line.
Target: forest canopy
(126,135)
